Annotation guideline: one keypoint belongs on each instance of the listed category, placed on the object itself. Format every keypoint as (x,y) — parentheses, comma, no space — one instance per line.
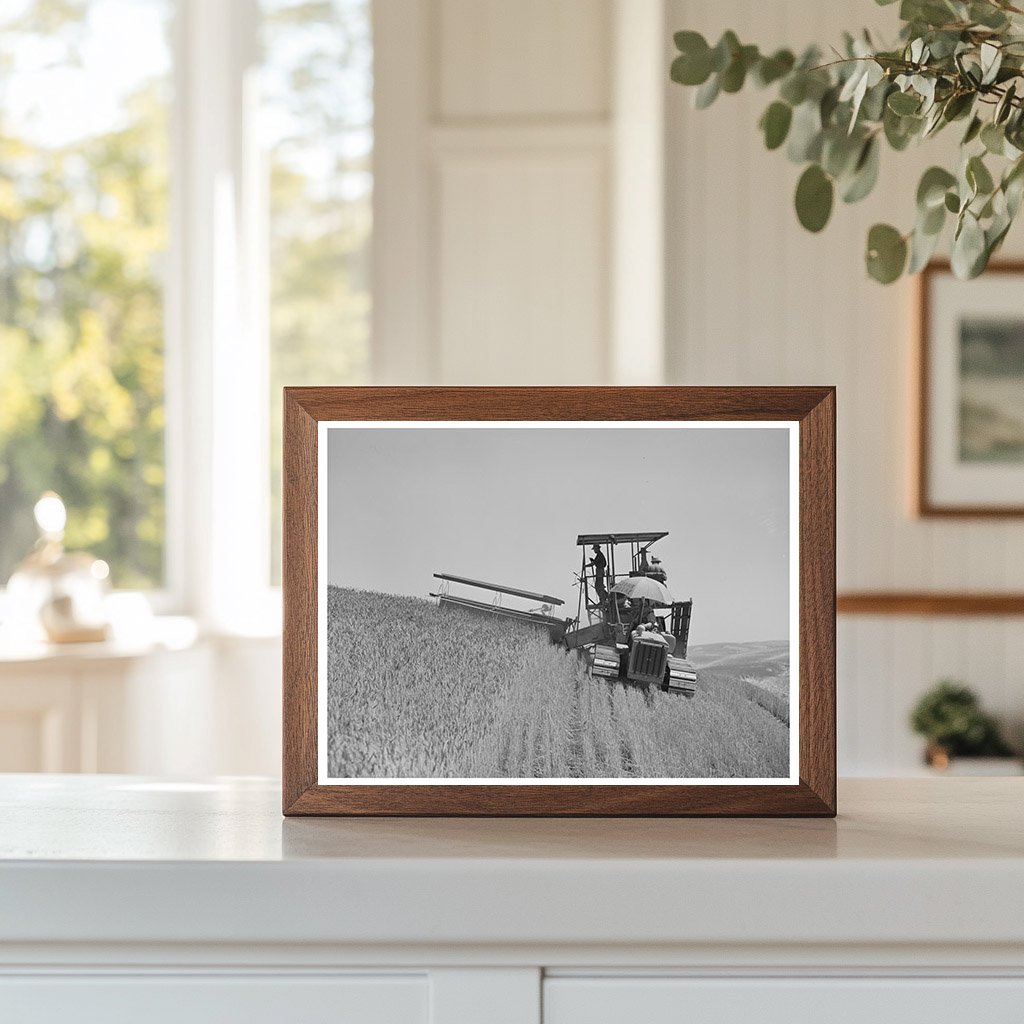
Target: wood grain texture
(299,596)
(925,603)
(923,503)
(812,407)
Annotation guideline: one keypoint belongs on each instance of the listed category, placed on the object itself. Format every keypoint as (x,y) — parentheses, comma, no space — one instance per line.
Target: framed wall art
(559,601)
(970,445)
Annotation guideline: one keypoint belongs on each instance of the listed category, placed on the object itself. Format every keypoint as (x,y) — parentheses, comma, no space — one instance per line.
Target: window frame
(217,351)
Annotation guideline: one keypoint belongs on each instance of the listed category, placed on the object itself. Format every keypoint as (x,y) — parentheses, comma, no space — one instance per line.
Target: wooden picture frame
(942,489)
(809,415)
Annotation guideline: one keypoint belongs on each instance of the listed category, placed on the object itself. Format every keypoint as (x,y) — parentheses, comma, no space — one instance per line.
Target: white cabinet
(625,1000)
(203,999)
(133,899)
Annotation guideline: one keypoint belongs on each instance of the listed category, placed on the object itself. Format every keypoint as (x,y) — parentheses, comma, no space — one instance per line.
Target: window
(83,234)
(317,119)
(185,222)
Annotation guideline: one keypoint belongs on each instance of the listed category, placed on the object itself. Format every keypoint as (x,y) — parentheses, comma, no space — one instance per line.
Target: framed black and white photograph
(559,601)
(971,405)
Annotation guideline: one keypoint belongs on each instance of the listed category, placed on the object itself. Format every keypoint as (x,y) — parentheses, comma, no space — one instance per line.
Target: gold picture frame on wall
(970,377)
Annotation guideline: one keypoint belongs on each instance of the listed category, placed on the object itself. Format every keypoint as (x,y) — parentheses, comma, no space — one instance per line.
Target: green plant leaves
(978,176)
(805,133)
(957,60)
(887,253)
(865,173)
(814,196)
(904,103)
(993,138)
(771,69)
(969,254)
(693,65)
(932,189)
(707,93)
(775,122)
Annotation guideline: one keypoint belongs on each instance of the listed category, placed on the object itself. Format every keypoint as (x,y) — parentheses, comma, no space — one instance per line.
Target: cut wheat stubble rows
(416,691)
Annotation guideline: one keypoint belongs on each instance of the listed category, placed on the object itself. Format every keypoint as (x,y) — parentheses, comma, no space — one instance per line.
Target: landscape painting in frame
(539,603)
(972,427)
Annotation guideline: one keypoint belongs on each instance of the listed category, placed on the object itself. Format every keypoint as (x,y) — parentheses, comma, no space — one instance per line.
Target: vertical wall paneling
(404,346)
(638,201)
(751,298)
(494,199)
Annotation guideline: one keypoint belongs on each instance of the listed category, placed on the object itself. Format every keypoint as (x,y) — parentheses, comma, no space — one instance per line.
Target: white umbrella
(643,588)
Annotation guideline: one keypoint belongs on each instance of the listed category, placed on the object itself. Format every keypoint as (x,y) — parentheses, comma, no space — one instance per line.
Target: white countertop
(121,859)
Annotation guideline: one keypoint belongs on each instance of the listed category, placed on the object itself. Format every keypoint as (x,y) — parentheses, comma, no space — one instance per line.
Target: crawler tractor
(635,630)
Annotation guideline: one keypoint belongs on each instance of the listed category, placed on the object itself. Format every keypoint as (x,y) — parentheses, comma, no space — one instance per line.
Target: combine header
(539,616)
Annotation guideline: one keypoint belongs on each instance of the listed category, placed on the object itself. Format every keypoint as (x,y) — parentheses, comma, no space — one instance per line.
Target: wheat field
(417,691)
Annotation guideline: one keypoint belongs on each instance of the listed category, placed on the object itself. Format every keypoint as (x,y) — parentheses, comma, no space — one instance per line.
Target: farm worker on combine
(657,570)
(600,564)
(647,629)
(645,566)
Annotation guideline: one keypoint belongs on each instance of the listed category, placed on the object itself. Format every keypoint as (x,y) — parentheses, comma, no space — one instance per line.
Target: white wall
(501,152)
(754,299)
(518,239)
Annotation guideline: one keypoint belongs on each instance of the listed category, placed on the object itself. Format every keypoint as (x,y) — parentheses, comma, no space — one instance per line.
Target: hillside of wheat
(419,691)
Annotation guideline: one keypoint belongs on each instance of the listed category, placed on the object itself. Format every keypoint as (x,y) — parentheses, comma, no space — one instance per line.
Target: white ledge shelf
(921,862)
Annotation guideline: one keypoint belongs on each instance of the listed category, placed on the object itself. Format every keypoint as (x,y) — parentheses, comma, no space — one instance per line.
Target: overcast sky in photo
(505,505)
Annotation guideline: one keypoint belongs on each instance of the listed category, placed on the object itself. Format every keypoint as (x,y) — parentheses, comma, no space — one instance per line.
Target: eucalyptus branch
(954,60)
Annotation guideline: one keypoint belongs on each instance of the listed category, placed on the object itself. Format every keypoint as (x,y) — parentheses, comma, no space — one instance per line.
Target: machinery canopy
(619,538)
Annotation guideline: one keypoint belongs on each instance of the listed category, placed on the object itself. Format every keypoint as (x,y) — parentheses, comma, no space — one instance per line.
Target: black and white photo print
(540,602)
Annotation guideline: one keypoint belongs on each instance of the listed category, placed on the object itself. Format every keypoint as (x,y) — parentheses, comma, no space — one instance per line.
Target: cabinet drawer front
(783,1001)
(202,999)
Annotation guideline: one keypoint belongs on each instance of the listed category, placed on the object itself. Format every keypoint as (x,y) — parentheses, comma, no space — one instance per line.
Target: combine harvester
(635,630)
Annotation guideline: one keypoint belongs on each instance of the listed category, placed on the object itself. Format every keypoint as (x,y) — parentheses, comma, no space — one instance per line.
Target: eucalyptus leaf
(873,106)
(973,130)
(968,248)
(771,69)
(958,105)
(865,174)
(735,74)
(932,221)
(900,130)
(691,70)
(886,253)
(987,15)
(840,152)
(1013,187)
(814,196)
(978,176)
(922,248)
(903,103)
(775,122)
(805,133)
(931,190)
(724,51)
(991,60)
(794,88)
(707,93)
(1005,105)
(993,138)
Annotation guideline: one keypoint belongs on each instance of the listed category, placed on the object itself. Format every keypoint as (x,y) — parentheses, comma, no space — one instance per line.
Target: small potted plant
(950,717)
